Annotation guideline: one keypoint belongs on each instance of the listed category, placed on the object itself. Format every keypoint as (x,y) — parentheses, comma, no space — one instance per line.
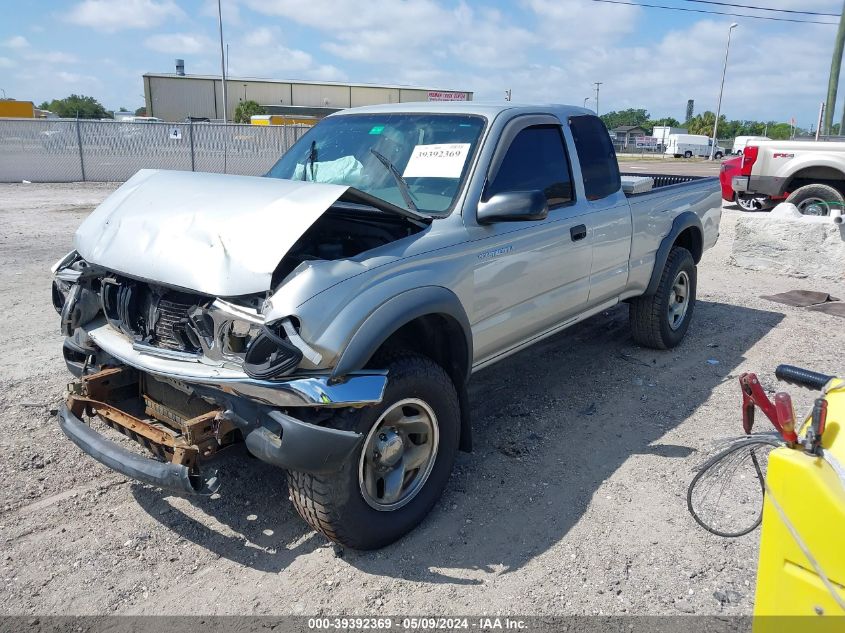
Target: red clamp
(780,413)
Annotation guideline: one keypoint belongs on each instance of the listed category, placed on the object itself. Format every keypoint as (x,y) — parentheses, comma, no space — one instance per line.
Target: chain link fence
(62,150)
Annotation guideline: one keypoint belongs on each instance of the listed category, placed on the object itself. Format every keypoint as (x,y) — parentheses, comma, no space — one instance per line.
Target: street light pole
(597,84)
(721,89)
(222,57)
(585,101)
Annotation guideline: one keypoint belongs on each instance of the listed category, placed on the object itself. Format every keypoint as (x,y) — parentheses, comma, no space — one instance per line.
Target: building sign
(439,95)
(647,141)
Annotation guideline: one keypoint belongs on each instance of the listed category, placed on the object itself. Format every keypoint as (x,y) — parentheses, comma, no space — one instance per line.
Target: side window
(535,160)
(597,156)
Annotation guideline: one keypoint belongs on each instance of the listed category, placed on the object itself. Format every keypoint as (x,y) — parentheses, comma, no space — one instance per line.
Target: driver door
(530,275)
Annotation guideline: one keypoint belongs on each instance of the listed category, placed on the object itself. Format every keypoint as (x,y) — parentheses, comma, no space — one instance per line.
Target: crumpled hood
(216,234)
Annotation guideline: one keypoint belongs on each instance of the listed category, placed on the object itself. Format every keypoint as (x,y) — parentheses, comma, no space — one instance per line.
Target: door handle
(578,232)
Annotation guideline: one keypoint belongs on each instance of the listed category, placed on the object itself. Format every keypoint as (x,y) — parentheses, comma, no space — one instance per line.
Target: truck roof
(489,110)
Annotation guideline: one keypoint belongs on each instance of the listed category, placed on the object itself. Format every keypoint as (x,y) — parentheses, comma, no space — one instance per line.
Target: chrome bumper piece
(357,389)
(739,184)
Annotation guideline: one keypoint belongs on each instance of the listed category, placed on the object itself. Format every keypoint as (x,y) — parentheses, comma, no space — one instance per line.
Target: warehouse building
(174,97)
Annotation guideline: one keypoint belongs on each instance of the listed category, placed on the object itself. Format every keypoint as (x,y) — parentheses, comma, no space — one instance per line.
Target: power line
(738,15)
(756,8)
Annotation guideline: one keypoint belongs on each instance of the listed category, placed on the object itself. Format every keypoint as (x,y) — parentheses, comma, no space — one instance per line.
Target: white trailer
(689,145)
(662,133)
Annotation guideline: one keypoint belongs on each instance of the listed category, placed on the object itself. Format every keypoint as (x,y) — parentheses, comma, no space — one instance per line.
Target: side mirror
(513,206)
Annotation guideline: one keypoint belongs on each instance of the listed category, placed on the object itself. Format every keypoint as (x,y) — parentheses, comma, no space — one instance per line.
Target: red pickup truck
(730,168)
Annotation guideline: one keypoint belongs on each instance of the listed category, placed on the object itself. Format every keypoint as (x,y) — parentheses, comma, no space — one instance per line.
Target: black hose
(802,377)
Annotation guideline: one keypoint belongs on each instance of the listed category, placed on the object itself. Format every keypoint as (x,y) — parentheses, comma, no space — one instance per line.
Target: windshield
(414,161)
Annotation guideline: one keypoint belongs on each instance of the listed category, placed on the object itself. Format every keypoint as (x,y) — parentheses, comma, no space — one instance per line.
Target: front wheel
(661,320)
(406,457)
(718,155)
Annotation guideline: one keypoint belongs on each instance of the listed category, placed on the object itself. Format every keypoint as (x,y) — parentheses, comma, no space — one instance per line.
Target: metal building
(173,97)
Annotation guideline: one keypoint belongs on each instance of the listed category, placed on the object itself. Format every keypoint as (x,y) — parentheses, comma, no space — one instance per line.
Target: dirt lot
(572,503)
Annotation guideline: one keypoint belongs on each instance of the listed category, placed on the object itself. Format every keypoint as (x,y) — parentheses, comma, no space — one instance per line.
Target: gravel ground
(573,501)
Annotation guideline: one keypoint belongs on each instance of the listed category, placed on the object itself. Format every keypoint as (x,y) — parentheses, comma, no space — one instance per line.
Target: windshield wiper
(312,156)
(403,186)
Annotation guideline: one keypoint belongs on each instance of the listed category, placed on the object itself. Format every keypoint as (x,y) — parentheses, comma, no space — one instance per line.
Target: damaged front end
(185,376)
(167,306)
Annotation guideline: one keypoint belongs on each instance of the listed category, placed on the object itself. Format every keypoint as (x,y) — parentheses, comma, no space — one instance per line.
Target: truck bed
(664,181)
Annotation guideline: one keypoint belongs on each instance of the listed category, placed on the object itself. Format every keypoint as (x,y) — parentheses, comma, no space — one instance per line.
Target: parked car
(331,314)
(808,174)
(741,141)
(689,145)
(730,168)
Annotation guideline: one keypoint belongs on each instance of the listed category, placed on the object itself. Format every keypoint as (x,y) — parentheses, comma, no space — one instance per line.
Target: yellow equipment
(282,119)
(801,570)
(11,109)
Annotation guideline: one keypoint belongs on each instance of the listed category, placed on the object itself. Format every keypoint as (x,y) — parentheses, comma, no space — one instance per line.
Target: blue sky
(543,50)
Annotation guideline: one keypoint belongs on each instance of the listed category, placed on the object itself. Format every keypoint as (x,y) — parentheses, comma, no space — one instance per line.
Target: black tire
(806,197)
(718,155)
(688,154)
(649,315)
(677,155)
(334,504)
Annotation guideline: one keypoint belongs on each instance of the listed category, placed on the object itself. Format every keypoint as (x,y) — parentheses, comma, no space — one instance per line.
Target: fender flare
(681,223)
(401,310)
(392,315)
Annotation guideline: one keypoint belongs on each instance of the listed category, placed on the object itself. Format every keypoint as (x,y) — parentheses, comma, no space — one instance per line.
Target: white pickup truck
(810,175)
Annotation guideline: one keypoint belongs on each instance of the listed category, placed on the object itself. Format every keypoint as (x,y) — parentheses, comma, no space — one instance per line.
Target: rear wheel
(409,447)
(661,320)
(817,199)
(687,154)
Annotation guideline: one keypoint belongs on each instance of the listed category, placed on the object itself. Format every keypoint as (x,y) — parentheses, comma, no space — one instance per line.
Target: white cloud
(110,16)
(50,57)
(5,62)
(262,53)
(574,24)
(412,37)
(178,43)
(17,41)
(262,36)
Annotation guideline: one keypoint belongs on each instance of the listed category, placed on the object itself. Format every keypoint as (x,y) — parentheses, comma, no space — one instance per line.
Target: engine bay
(344,231)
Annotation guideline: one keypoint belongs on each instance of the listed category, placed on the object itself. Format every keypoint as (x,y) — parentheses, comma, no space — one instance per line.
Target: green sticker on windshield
(377,129)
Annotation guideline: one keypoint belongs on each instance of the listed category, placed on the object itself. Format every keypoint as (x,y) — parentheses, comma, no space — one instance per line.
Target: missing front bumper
(169,476)
(182,431)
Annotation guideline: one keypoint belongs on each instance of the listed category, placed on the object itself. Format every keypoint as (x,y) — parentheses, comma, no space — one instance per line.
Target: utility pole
(835,66)
(721,90)
(222,57)
(597,84)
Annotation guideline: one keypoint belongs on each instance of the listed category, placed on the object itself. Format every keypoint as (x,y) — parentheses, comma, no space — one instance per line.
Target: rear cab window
(596,155)
(535,160)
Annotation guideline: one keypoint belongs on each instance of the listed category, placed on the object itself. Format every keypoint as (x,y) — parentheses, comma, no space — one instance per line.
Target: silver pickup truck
(330,314)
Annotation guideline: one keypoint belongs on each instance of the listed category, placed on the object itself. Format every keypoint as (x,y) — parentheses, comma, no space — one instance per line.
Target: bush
(246,109)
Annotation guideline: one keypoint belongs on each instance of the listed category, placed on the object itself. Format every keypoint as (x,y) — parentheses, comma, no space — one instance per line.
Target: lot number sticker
(175,134)
(442,160)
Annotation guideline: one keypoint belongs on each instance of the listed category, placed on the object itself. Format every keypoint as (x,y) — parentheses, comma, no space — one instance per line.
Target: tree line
(703,124)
